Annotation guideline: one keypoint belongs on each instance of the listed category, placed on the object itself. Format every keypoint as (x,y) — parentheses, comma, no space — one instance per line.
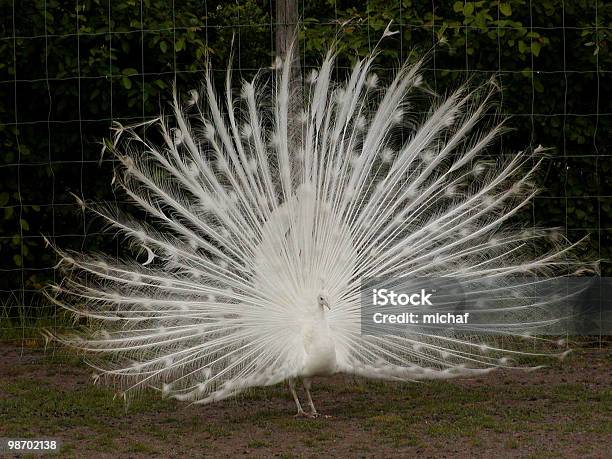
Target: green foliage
(77,70)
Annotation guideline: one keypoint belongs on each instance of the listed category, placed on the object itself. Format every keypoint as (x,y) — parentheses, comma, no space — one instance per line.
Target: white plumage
(255,244)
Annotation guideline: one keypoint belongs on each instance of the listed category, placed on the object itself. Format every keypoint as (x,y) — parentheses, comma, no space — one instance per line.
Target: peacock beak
(323,301)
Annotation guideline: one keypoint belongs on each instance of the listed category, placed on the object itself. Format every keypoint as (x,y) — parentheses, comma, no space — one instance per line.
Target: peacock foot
(301,414)
(317,415)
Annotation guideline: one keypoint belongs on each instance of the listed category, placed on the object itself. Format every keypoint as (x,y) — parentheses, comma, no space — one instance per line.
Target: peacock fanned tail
(239,227)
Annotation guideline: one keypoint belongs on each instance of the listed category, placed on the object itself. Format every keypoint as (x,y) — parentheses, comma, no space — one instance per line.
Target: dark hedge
(68,68)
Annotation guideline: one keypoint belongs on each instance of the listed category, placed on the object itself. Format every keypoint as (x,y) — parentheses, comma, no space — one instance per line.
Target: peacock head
(323,301)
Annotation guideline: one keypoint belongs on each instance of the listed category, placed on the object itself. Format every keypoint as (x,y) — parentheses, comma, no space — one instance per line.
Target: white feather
(248,235)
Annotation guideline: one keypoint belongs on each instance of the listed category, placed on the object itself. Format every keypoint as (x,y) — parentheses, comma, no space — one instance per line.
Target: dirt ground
(561,411)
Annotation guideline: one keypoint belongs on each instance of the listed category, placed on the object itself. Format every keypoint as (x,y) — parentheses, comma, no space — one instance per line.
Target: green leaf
(163,46)
(129,71)
(4,199)
(126,82)
(458,7)
(24,224)
(17,259)
(505,9)
(538,86)
(535,48)
(468,9)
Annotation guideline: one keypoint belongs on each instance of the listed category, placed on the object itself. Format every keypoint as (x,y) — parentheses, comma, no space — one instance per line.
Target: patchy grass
(38,407)
(563,410)
(259,444)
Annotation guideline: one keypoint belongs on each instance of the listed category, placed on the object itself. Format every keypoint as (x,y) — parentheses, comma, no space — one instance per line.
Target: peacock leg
(313,411)
(300,412)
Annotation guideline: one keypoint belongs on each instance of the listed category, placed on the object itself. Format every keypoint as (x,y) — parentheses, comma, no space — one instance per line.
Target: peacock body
(249,265)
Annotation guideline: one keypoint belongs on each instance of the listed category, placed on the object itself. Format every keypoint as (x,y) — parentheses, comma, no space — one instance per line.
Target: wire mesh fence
(70,69)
